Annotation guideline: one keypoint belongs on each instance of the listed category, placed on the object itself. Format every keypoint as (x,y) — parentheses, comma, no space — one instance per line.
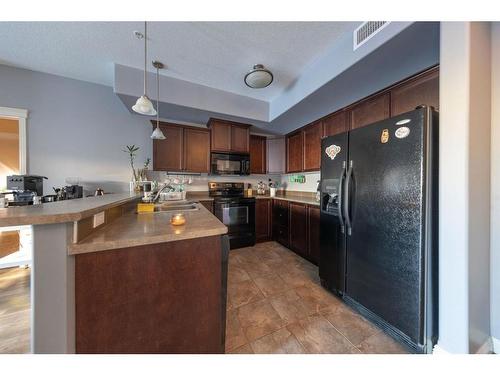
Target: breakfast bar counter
(98,266)
(133,229)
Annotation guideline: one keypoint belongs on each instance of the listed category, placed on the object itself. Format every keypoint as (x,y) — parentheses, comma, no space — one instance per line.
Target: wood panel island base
(133,284)
(162,298)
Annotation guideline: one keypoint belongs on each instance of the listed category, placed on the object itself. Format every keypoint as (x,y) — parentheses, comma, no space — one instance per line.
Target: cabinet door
(257,154)
(424,89)
(280,222)
(371,110)
(276,152)
(335,124)
(239,139)
(298,228)
(294,152)
(220,133)
(313,233)
(263,219)
(312,147)
(196,150)
(167,153)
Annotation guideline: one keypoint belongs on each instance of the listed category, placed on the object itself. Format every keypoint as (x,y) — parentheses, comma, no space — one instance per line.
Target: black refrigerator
(379,217)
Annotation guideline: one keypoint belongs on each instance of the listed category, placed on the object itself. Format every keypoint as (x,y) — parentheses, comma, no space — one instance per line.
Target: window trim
(21,115)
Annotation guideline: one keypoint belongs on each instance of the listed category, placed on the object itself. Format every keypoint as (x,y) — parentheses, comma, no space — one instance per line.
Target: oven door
(239,217)
(230,164)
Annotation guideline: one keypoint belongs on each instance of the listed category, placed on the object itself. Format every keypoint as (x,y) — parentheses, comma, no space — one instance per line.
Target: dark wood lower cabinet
(162,298)
(209,205)
(263,208)
(280,222)
(313,247)
(298,228)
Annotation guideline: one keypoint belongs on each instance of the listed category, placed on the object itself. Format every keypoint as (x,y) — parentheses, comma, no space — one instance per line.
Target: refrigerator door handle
(346,199)
(339,206)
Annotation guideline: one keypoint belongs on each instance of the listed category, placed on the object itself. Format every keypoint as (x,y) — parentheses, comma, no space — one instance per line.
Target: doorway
(15,242)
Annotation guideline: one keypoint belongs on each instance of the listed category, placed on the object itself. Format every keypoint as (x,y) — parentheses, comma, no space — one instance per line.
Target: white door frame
(21,115)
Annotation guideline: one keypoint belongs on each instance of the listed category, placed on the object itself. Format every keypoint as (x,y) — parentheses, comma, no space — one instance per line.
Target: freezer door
(334,153)
(385,247)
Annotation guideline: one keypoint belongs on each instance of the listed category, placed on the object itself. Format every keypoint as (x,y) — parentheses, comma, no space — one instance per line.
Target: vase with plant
(132,153)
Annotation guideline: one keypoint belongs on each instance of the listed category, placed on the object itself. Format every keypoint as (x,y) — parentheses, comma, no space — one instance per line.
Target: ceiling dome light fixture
(143,105)
(157,133)
(259,77)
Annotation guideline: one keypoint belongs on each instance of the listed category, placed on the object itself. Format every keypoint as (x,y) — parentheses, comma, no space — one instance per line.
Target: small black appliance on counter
(24,188)
(74,191)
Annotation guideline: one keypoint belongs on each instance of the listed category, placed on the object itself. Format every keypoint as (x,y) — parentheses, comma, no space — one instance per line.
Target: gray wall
(464,204)
(75,128)
(495,185)
(479,185)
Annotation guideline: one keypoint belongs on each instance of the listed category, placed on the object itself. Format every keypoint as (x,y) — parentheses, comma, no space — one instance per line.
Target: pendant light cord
(145,54)
(157,96)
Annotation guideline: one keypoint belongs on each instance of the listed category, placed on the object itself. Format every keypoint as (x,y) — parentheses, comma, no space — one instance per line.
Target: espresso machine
(24,188)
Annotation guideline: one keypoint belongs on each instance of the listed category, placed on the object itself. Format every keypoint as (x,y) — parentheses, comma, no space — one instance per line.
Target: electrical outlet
(99,219)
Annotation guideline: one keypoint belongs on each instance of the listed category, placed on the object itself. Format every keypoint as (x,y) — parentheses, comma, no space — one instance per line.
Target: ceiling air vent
(366,31)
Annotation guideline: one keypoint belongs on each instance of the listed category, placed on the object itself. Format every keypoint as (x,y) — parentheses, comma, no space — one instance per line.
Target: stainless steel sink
(176,206)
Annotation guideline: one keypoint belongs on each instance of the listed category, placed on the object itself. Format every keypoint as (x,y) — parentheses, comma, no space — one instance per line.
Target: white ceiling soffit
(335,60)
(206,61)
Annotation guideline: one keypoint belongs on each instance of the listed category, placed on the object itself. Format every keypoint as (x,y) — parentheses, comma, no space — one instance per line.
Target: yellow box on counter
(145,207)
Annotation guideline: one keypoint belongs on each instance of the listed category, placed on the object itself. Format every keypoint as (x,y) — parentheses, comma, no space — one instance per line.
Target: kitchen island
(108,280)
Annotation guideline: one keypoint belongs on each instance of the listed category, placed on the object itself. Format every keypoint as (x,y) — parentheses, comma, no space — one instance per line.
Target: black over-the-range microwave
(229,164)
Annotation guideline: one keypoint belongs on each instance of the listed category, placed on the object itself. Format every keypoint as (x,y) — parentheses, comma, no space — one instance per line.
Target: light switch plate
(99,219)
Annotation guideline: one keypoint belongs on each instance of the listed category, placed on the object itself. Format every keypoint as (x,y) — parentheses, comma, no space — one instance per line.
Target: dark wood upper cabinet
(371,110)
(168,153)
(184,149)
(313,233)
(298,228)
(263,209)
(220,135)
(228,136)
(312,146)
(196,150)
(240,139)
(294,152)
(335,123)
(423,89)
(257,154)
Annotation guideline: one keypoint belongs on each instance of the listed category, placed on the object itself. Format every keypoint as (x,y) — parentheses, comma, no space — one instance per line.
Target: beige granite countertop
(203,196)
(62,211)
(291,198)
(149,228)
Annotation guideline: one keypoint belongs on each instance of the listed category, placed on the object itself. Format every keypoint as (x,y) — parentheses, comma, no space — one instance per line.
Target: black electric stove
(235,210)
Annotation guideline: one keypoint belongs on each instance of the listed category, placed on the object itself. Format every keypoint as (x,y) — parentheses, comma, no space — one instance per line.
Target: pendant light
(143,105)
(157,133)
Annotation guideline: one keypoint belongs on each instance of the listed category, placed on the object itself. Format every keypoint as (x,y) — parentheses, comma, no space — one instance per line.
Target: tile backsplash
(200,182)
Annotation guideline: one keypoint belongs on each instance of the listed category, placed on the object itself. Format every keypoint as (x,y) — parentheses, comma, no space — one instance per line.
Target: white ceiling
(216,54)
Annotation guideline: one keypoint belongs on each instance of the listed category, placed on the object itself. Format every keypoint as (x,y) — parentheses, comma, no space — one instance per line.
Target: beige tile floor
(277,305)
(15,310)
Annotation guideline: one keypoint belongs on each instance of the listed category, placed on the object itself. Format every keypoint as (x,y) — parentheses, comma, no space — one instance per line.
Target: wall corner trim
(487,346)
(496,345)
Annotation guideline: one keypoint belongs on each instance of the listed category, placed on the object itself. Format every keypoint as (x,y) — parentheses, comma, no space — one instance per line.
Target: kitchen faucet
(160,190)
